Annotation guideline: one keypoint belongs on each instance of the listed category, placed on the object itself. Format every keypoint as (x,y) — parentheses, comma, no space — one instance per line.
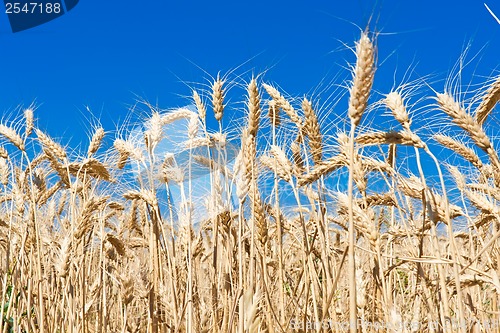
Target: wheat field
(288,227)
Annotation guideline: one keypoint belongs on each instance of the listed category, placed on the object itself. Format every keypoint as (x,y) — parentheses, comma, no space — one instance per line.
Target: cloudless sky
(105,55)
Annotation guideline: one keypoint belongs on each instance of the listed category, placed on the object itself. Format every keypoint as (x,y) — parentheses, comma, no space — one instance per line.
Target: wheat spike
(200,106)
(404,138)
(468,153)
(274,113)
(145,195)
(96,141)
(490,99)
(283,104)
(12,136)
(4,171)
(324,168)
(464,120)
(468,124)
(297,157)
(394,101)
(29,121)
(178,114)
(411,187)
(50,145)
(218,98)
(313,131)
(126,149)
(254,110)
(283,170)
(117,243)
(363,79)
(64,256)
(154,131)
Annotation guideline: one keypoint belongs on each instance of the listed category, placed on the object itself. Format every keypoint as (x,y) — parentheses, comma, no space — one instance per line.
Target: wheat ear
(465,121)
(313,131)
(283,104)
(218,98)
(363,79)
(96,141)
(394,101)
(254,110)
(29,121)
(490,99)
(52,147)
(12,136)
(468,153)
(404,138)
(274,113)
(200,106)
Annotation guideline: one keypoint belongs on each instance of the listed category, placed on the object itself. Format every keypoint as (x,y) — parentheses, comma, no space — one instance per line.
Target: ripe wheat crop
(278,225)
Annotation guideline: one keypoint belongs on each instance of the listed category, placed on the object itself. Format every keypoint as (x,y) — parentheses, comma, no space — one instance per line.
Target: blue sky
(105,55)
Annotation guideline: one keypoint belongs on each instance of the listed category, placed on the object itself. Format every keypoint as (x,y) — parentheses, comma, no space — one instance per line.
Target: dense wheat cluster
(304,230)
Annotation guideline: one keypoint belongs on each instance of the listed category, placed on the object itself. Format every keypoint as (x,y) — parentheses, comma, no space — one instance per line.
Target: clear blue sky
(106,54)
